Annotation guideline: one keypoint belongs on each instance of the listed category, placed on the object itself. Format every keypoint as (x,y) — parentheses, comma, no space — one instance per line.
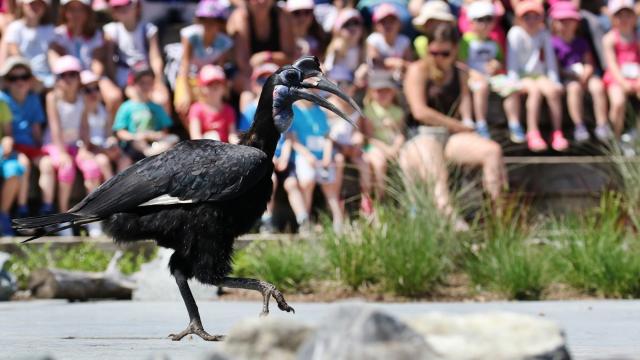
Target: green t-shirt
(477,52)
(5,117)
(420,44)
(387,122)
(135,116)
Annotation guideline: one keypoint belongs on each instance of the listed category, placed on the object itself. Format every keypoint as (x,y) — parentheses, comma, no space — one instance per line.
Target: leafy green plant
(82,257)
(599,254)
(289,265)
(504,261)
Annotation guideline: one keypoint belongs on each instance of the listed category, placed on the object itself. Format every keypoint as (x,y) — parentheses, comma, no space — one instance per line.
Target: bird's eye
(292,76)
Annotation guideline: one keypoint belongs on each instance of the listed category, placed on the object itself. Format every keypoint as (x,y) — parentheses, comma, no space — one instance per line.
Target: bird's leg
(195,325)
(266,289)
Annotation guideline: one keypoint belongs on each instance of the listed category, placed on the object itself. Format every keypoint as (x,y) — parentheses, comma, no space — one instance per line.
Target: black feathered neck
(263,133)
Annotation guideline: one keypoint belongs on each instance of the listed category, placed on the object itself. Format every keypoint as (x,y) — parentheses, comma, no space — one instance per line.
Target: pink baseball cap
(88,77)
(384,10)
(528,6)
(344,16)
(614,6)
(295,5)
(67,63)
(565,10)
(212,9)
(210,73)
(116,3)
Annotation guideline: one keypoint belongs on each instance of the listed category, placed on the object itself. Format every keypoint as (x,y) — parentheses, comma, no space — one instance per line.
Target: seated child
(211,117)
(141,125)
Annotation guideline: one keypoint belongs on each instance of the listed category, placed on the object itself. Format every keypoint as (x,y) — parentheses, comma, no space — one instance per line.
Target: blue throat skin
(282,108)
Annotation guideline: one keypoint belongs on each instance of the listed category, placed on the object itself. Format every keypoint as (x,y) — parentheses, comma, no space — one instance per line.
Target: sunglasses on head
(443,53)
(18,77)
(484,19)
(92,89)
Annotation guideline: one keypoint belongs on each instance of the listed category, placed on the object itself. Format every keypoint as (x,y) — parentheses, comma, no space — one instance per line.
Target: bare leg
(195,325)
(266,289)
(617,103)
(575,94)
(552,92)
(9,193)
(599,96)
(23,195)
(47,180)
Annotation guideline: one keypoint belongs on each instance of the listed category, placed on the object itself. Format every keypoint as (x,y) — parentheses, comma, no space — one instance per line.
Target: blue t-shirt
(135,116)
(25,115)
(311,128)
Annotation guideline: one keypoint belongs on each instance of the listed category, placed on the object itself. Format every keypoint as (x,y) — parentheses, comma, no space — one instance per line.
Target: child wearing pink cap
(386,47)
(345,48)
(622,54)
(66,138)
(135,42)
(577,69)
(211,117)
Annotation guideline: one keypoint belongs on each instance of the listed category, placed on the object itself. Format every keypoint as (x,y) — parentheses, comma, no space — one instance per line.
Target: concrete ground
(138,330)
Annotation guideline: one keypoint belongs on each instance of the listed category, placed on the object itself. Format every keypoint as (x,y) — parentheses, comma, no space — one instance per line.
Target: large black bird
(197,197)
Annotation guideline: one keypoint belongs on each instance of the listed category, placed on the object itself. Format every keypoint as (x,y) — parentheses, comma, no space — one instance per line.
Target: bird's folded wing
(192,171)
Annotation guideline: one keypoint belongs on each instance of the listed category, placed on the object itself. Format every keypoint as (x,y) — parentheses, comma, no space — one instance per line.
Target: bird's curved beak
(315,79)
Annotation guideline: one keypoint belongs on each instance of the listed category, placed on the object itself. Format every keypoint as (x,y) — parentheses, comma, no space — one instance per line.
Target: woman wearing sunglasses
(436,92)
(309,36)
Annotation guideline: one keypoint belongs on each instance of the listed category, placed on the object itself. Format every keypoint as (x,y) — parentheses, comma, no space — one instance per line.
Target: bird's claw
(194,329)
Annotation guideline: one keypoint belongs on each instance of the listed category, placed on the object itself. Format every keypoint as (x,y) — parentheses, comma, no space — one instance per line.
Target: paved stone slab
(138,330)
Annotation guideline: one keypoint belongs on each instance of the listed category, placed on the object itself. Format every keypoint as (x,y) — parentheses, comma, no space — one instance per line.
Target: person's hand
(65,159)
(281,165)
(394,63)
(7,146)
(182,106)
(492,67)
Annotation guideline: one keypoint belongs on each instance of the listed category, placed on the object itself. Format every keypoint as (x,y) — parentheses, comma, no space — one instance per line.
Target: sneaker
(516,133)
(22,211)
(558,141)
(483,130)
(47,209)
(469,123)
(603,133)
(580,134)
(266,227)
(65,232)
(5,222)
(304,229)
(535,141)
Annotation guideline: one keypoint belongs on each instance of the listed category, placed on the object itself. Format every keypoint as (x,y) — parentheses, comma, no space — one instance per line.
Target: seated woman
(433,87)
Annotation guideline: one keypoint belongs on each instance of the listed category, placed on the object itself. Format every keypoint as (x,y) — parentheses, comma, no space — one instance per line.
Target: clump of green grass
(289,265)
(505,262)
(599,254)
(352,254)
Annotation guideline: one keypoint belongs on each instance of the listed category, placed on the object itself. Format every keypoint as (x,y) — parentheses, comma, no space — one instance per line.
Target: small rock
(492,336)
(358,331)
(270,338)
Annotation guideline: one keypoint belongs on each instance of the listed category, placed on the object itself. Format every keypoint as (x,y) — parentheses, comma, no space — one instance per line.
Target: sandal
(535,141)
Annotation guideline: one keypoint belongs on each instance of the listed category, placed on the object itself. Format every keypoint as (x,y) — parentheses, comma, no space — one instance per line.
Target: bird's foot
(195,328)
(277,295)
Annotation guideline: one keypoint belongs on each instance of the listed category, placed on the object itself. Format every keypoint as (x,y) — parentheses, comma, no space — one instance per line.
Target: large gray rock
(155,283)
(491,336)
(358,331)
(266,338)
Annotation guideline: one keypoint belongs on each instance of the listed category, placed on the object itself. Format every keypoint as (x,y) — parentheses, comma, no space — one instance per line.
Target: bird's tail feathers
(41,223)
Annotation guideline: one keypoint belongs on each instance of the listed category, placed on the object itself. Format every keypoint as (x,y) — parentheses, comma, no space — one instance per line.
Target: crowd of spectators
(91,86)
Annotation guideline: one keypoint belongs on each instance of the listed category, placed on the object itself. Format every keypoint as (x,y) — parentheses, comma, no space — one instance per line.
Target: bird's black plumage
(197,197)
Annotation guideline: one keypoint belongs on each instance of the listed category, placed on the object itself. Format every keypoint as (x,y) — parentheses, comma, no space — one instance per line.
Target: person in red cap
(622,55)
(531,60)
(133,42)
(211,117)
(386,47)
(577,69)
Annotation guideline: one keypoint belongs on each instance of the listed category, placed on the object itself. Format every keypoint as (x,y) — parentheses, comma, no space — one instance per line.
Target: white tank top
(97,126)
(70,115)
